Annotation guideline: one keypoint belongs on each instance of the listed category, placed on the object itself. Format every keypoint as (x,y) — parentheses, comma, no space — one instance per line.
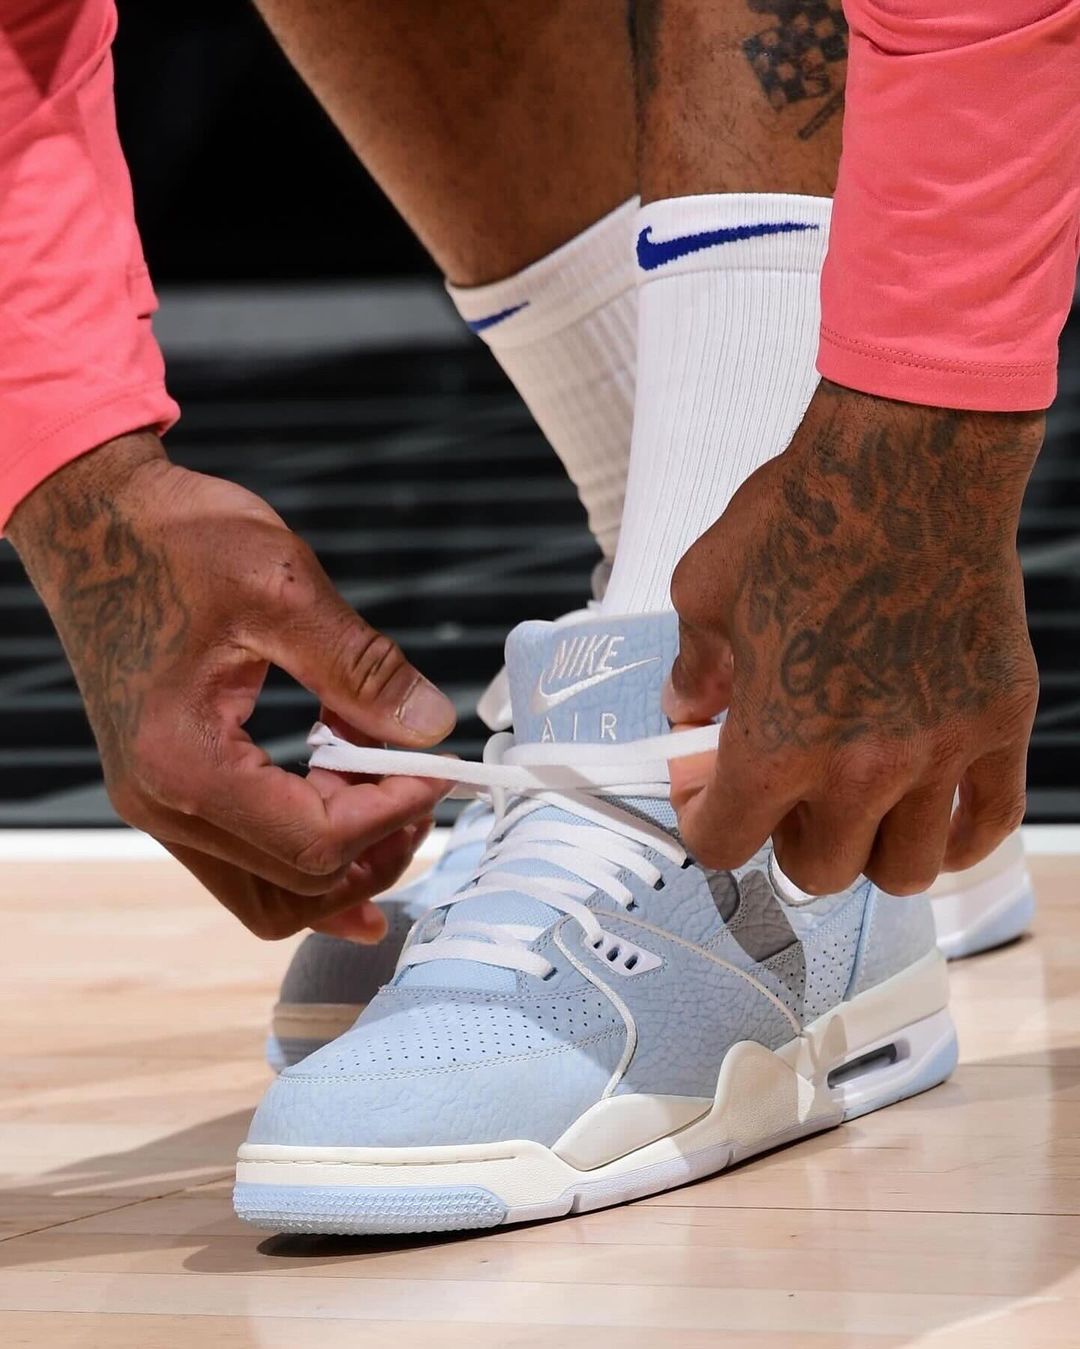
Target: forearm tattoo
(801,57)
(114,599)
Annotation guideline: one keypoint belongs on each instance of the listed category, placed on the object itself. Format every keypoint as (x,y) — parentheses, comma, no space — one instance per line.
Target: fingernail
(426,711)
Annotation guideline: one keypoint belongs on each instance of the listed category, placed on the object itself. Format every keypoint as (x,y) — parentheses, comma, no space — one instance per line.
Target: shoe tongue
(598,681)
(594,682)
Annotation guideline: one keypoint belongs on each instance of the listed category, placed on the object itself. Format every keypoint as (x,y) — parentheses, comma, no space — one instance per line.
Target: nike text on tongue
(586,661)
(594,681)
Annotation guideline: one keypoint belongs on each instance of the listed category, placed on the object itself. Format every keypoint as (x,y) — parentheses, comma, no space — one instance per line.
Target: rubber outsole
(313,1210)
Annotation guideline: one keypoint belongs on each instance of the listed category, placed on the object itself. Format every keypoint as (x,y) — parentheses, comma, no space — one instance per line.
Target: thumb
(356,671)
(699,687)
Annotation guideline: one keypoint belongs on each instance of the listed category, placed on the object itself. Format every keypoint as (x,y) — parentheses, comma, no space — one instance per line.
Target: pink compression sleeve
(78,361)
(954,240)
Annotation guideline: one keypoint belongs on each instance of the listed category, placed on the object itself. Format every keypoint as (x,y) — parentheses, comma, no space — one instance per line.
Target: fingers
(269,911)
(351,667)
(233,802)
(362,922)
(199,783)
(699,686)
(313,825)
(700,683)
(376,872)
(174,829)
(823,846)
(993,797)
(274,911)
(730,806)
(909,850)
(830,823)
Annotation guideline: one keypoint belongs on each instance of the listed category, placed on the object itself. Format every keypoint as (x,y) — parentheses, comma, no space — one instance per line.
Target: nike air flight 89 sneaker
(592,1017)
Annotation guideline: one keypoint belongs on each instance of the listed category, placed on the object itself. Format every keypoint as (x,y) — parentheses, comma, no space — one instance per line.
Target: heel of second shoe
(980,919)
(987,905)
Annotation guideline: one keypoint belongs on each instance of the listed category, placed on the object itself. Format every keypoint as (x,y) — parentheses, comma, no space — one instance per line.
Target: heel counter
(897,931)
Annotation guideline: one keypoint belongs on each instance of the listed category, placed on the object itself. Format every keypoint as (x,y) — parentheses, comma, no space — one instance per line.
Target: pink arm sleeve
(78,361)
(954,240)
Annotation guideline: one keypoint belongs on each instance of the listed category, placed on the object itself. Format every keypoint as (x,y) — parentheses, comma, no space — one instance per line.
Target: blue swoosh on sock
(479,325)
(652,254)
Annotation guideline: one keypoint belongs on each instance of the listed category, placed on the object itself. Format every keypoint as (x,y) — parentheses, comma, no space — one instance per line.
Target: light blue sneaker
(330,981)
(593,1017)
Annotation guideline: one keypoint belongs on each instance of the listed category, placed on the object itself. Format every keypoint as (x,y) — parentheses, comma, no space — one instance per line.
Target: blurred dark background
(318,362)
(238,174)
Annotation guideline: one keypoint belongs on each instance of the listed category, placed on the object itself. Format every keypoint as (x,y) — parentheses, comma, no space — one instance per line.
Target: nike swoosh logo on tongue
(542,701)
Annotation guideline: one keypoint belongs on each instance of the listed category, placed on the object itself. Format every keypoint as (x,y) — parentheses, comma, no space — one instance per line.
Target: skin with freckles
(173,593)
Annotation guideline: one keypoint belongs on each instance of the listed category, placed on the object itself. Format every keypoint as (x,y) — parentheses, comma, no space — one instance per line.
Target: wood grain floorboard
(134,1014)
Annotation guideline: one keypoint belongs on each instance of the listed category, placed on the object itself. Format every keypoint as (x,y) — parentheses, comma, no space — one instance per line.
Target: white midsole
(762,1097)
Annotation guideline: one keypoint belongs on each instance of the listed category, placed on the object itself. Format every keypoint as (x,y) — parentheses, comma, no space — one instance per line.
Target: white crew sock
(565,331)
(728,315)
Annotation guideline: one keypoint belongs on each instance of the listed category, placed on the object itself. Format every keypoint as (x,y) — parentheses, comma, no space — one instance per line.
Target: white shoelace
(521,780)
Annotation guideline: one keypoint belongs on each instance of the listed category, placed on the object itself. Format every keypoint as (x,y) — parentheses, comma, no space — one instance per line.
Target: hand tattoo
(913,527)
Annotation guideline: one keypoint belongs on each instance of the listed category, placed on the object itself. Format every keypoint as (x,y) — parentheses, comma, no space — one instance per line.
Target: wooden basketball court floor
(133,1012)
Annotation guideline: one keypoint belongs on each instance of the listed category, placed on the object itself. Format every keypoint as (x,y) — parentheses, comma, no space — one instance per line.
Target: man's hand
(859,610)
(173,593)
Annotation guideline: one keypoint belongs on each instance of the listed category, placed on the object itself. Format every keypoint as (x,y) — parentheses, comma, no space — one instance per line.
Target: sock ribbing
(565,331)
(728,315)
